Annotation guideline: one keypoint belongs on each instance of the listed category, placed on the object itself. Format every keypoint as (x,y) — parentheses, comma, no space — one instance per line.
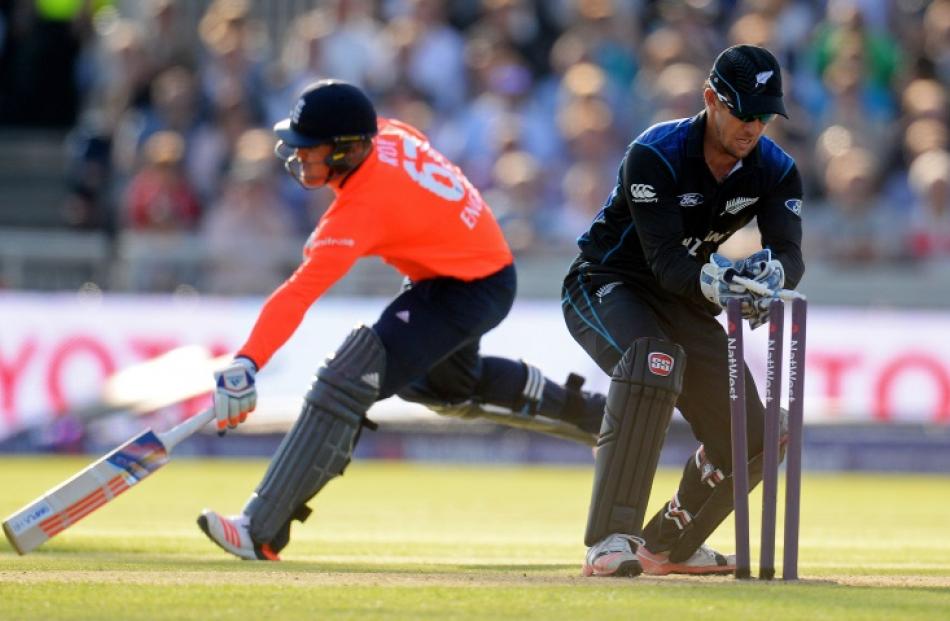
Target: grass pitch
(402,541)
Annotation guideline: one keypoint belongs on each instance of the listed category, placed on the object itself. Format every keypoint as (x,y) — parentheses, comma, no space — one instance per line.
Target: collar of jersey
(358,176)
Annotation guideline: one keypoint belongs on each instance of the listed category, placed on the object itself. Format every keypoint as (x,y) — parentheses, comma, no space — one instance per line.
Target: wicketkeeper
(399,199)
(641,299)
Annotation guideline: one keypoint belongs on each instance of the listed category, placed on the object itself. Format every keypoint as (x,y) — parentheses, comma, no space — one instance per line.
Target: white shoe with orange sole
(614,555)
(704,561)
(232,535)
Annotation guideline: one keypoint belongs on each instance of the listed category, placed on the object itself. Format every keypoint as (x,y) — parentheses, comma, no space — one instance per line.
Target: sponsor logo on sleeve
(691,199)
(660,364)
(642,193)
(737,204)
(333,241)
(794,205)
(319,242)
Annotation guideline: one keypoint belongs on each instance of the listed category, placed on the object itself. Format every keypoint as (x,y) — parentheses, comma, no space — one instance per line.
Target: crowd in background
(536,100)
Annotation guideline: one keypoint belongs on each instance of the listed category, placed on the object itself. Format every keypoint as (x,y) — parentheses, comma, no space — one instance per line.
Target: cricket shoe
(615,555)
(232,535)
(705,560)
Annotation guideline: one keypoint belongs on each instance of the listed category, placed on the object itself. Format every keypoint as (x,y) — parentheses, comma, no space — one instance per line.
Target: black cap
(750,80)
(327,111)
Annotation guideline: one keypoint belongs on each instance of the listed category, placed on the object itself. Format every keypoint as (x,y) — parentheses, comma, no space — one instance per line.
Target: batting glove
(235,395)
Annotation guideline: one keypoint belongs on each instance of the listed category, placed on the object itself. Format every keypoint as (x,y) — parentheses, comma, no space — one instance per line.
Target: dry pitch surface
(396,541)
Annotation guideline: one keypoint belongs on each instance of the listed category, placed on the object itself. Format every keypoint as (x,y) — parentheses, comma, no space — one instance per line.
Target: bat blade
(90,489)
(97,484)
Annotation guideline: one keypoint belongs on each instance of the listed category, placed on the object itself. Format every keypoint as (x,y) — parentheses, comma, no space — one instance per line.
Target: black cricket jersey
(668,213)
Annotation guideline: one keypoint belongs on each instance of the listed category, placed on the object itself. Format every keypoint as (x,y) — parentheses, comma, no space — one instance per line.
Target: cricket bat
(96,485)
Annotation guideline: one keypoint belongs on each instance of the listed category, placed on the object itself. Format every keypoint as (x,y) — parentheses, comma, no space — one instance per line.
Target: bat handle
(759,289)
(182,430)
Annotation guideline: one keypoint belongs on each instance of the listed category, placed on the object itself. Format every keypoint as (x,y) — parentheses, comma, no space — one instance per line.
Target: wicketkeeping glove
(715,282)
(235,395)
(762,267)
(758,312)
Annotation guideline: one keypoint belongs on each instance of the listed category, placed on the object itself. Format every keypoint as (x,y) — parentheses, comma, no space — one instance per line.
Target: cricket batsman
(400,199)
(641,299)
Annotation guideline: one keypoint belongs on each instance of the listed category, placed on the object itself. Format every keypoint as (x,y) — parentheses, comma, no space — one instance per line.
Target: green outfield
(398,541)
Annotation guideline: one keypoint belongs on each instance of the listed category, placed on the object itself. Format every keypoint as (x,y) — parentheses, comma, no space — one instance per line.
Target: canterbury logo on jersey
(642,193)
(737,204)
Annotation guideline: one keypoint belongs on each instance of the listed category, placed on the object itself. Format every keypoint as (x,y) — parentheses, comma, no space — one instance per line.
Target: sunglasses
(765,119)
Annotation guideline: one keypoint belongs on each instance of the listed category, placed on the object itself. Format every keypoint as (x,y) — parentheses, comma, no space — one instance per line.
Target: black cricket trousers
(606,313)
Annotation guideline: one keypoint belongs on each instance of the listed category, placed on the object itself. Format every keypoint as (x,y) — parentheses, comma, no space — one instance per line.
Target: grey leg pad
(320,444)
(643,390)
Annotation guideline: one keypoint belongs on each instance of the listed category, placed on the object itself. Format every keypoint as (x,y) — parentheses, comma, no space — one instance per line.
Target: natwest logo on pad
(660,364)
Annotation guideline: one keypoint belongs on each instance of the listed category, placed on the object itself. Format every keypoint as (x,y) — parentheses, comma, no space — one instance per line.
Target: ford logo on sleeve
(691,199)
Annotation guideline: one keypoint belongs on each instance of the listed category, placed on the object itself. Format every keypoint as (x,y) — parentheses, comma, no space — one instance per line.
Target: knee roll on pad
(643,391)
(320,444)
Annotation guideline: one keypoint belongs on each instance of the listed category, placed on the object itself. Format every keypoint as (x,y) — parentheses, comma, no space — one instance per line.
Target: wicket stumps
(771,438)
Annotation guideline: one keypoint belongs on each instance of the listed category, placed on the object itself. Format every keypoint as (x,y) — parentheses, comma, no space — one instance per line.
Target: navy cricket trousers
(431,332)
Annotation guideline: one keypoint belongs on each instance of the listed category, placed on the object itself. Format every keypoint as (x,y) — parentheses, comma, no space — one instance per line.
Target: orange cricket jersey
(406,204)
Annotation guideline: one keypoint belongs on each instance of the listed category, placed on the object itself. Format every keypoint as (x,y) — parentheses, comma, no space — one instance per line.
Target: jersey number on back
(432,176)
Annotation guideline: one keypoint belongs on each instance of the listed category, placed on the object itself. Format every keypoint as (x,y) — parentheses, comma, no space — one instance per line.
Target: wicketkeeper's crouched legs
(703,500)
(320,444)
